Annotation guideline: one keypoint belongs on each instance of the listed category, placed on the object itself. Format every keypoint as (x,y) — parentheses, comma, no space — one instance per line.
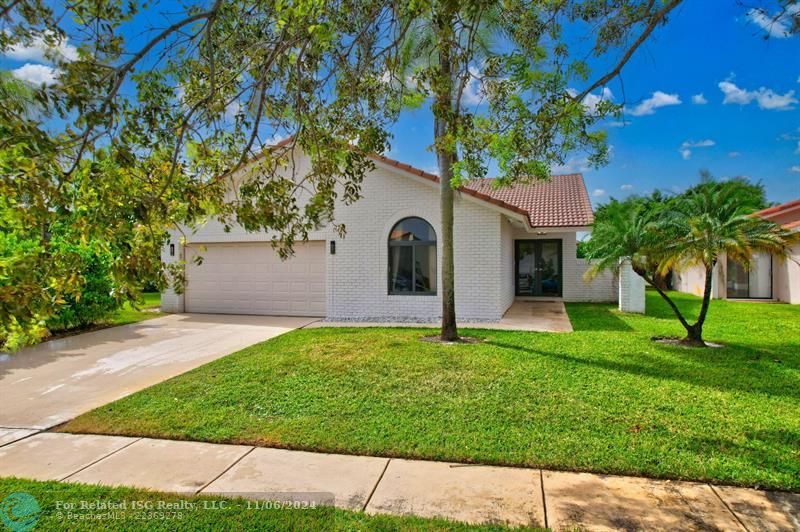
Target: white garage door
(250,278)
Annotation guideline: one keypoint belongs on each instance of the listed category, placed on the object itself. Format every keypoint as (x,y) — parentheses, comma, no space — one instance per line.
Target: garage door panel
(250,278)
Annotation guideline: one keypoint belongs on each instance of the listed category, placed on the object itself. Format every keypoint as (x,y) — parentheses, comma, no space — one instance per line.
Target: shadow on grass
(717,372)
(766,449)
(594,317)
(688,305)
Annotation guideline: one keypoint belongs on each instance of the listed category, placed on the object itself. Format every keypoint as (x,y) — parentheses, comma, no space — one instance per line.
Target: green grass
(129,314)
(55,498)
(604,398)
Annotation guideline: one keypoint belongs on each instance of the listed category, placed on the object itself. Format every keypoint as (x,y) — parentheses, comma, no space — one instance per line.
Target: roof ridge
(568,207)
(778,208)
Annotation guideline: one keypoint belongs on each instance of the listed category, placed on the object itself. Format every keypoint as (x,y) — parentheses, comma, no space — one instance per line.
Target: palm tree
(695,228)
(708,223)
(633,231)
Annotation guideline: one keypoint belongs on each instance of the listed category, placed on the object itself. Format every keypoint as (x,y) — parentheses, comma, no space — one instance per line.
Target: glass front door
(538,268)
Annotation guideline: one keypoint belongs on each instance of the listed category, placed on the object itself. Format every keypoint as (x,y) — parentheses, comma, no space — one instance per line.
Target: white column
(172,302)
(631,289)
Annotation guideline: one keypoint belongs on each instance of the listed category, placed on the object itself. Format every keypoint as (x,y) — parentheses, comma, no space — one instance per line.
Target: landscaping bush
(20,322)
(96,301)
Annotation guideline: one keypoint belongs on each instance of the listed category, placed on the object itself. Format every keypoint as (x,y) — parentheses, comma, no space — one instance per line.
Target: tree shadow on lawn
(594,317)
(763,450)
(718,372)
(690,308)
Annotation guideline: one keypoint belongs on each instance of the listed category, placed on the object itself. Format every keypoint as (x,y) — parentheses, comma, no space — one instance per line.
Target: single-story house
(517,242)
(768,279)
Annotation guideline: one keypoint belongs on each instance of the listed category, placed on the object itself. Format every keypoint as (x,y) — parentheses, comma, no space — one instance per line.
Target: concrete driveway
(48,384)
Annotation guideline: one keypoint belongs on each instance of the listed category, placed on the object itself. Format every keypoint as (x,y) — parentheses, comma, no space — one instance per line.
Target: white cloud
(795,169)
(575,165)
(41,52)
(797,150)
(658,99)
(734,154)
(767,98)
(775,102)
(37,74)
(699,99)
(274,140)
(591,101)
(473,90)
(598,192)
(626,187)
(778,25)
(700,144)
(734,94)
(686,147)
(232,110)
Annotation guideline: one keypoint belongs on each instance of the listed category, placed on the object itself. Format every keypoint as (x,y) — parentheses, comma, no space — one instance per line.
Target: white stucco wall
(692,280)
(786,277)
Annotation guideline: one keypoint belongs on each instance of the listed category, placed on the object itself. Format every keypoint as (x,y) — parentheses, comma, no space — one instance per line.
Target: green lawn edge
(55,498)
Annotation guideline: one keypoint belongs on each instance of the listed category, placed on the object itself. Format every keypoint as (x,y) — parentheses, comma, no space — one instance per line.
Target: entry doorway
(538,270)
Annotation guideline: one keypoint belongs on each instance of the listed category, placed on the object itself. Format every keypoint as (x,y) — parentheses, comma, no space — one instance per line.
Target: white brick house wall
(357,274)
(508,266)
(631,289)
(604,288)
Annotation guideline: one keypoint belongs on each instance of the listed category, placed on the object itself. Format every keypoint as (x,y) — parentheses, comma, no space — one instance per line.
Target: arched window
(412,258)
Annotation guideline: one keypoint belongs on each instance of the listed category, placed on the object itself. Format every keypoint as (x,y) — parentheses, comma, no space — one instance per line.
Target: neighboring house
(509,243)
(769,278)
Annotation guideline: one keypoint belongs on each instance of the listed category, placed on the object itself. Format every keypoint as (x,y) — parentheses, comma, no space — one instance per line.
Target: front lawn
(148,308)
(66,507)
(604,398)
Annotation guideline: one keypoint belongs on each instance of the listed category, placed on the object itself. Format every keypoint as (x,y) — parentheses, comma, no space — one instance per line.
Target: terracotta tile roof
(560,202)
(779,214)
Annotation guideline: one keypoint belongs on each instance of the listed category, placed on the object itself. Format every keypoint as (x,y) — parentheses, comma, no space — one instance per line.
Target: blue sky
(746,123)
(706,43)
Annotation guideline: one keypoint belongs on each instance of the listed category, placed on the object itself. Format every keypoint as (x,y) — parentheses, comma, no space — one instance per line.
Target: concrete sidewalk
(469,493)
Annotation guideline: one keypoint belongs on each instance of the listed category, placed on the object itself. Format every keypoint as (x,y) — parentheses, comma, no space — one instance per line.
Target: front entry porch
(534,316)
(539,316)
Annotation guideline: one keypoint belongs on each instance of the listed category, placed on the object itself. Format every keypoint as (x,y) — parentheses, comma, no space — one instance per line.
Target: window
(412,258)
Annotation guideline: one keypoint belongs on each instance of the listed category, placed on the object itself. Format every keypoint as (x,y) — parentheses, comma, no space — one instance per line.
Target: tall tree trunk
(445,161)
(445,156)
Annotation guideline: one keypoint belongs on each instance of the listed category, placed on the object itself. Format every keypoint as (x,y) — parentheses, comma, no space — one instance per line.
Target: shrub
(96,301)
